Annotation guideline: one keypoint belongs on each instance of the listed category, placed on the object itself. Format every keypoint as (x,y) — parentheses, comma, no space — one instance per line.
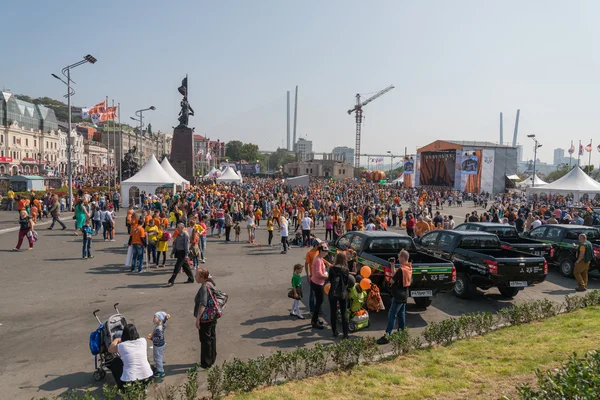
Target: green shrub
(370,350)
(346,353)
(579,378)
(400,342)
(214,381)
(316,360)
(191,384)
(135,391)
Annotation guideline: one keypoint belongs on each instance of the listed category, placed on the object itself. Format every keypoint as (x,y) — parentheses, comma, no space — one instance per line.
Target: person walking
(317,280)
(206,324)
(307,225)
(228,225)
(338,293)
(585,255)
(270,230)
(116,200)
(400,282)
(80,216)
(283,232)
(10,204)
(26,225)
(181,248)
(55,213)
(138,240)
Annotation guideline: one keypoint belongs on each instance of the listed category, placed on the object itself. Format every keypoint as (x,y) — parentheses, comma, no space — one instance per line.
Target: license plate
(422,293)
(538,253)
(518,284)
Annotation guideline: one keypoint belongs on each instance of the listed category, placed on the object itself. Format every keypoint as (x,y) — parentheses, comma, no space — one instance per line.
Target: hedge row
(243,376)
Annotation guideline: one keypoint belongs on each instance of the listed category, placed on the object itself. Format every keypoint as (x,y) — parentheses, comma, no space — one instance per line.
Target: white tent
(213,173)
(530,180)
(239,173)
(179,180)
(148,179)
(399,179)
(514,177)
(575,182)
(302,180)
(229,176)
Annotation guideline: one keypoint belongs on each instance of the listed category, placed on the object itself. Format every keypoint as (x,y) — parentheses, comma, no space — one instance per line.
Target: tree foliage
(559,173)
(279,158)
(60,108)
(237,150)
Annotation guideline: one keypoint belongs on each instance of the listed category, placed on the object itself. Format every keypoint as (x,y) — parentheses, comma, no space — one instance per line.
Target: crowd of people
(179,223)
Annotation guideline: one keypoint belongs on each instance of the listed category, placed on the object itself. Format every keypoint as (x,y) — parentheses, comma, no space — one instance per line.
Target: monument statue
(186,109)
(129,165)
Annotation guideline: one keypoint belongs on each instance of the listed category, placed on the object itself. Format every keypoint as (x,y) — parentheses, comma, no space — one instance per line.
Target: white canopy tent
(513,177)
(229,176)
(575,182)
(530,180)
(148,179)
(213,173)
(179,180)
(239,173)
(399,179)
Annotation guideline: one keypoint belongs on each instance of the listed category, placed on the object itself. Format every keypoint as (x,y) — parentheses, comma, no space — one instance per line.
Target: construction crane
(359,117)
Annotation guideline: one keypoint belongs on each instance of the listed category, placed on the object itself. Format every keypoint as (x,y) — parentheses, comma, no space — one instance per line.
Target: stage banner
(409,166)
(469,164)
(437,168)
(487,170)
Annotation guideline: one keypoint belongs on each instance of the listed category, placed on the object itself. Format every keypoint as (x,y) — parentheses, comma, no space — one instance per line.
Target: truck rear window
(479,242)
(592,234)
(389,245)
(502,231)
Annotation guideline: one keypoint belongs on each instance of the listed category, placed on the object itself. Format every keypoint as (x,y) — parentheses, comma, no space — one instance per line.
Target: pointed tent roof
(229,175)
(239,173)
(535,179)
(171,171)
(151,172)
(574,181)
(211,173)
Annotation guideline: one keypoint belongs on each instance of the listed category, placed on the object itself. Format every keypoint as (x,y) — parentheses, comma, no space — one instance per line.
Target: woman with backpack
(338,293)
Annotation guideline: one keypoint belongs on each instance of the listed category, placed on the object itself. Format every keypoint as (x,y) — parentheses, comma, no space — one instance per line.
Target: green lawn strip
(484,367)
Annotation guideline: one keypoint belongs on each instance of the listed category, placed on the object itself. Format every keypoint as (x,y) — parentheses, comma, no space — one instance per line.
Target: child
(158,341)
(163,246)
(270,229)
(88,232)
(237,231)
(194,248)
(297,288)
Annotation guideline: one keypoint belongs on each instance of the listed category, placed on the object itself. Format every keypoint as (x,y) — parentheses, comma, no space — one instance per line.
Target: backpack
(96,340)
(374,301)
(337,286)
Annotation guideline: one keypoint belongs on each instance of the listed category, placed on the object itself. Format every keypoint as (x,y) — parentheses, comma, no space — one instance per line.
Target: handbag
(221,298)
(291,293)
(212,311)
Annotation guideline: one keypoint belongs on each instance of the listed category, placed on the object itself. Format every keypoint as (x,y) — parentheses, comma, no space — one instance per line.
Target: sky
(455,66)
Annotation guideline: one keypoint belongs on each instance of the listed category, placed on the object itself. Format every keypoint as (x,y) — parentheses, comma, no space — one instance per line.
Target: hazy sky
(455,64)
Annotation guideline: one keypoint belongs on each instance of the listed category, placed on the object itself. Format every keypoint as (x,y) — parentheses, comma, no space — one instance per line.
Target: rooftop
(475,143)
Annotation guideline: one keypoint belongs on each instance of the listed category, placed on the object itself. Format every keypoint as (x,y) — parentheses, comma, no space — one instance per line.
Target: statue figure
(129,165)
(186,109)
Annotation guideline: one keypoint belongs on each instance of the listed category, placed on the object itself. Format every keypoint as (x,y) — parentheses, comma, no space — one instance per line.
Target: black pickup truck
(509,238)
(481,262)
(564,239)
(431,275)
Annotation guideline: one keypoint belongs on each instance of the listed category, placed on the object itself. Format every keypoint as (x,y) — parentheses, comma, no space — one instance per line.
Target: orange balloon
(365,284)
(365,271)
(326,288)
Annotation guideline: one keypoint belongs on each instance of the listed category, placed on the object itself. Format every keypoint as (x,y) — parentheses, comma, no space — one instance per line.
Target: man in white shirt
(307,224)
(536,222)
(370,226)
(283,232)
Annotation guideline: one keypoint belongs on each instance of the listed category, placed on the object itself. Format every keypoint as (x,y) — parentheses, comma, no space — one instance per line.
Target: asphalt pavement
(48,295)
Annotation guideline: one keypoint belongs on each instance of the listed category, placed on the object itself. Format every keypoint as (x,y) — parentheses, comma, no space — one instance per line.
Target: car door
(343,243)
(444,245)
(428,242)
(538,233)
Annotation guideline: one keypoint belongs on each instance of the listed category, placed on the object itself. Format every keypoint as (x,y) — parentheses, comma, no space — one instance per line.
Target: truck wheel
(508,292)
(423,302)
(462,287)
(566,267)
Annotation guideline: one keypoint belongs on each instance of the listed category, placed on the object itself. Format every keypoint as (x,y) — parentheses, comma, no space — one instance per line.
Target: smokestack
(501,133)
(295,114)
(516,128)
(288,120)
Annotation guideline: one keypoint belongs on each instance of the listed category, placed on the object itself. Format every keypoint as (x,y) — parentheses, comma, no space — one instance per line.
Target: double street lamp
(140,119)
(66,71)
(537,145)
(392,163)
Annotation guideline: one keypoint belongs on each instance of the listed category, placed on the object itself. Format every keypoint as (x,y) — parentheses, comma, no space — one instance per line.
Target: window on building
(339,171)
(307,170)
(26,142)
(34,143)
(14,140)
(344,171)
(311,170)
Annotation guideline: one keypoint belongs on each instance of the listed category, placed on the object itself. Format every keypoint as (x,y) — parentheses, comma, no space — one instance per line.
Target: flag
(598,148)
(588,148)
(99,108)
(85,113)
(109,115)
(580,149)
(572,149)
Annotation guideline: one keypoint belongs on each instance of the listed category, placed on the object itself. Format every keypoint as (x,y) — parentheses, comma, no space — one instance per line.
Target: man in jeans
(55,212)
(307,224)
(137,239)
(400,283)
(117,200)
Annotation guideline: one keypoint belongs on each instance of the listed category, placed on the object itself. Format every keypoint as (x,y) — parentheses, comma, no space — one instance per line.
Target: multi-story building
(77,157)
(203,146)
(346,152)
(96,156)
(303,149)
(28,137)
(326,168)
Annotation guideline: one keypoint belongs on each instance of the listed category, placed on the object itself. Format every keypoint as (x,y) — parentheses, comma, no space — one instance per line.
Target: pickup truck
(509,238)
(431,275)
(481,262)
(564,239)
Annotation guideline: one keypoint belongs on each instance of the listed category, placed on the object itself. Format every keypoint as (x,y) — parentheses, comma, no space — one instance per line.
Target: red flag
(580,149)
(588,148)
(99,108)
(598,148)
(109,115)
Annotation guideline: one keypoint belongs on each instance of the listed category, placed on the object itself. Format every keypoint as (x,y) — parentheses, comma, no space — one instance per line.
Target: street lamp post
(391,162)
(66,71)
(140,119)
(537,145)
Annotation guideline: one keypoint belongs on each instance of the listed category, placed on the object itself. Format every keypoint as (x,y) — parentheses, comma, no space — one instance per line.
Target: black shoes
(383,340)
(318,325)
(190,280)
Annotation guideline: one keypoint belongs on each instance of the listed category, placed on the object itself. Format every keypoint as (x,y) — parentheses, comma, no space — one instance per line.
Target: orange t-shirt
(147,219)
(310,256)
(137,234)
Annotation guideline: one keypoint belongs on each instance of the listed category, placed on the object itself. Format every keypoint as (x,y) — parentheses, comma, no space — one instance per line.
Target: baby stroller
(102,337)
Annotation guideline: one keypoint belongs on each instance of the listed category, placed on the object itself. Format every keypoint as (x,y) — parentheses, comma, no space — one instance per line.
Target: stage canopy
(151,177)
(575,182)
(530,180)
(513,177)
(229,176)
(179,180)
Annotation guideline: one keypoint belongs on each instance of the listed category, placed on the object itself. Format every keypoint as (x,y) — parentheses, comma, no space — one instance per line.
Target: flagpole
(120,147)
(590,158)
(570,155)
(579,154)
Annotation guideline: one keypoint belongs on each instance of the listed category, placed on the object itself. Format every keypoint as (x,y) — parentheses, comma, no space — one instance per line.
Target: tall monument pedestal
(182,152)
